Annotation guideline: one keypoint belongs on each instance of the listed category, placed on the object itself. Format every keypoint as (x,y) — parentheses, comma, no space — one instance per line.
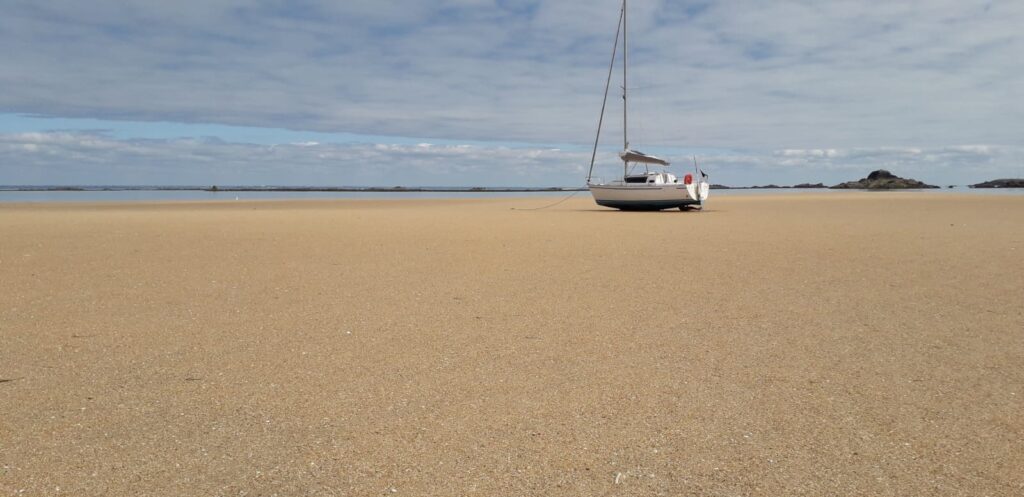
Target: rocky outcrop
(1001,183)
(882,180)
(810,185)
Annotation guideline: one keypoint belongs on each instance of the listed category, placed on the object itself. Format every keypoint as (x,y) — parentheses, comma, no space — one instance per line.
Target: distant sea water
(141,194)
(144,194)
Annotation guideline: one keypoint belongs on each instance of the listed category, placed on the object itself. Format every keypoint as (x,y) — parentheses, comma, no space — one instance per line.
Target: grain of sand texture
(846,344)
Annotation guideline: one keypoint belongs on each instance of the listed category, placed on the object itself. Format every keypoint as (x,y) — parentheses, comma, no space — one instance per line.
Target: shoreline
(135,196)
(288,189)
(401,189)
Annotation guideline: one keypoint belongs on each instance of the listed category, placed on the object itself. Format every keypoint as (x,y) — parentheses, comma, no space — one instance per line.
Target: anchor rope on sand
(571,195)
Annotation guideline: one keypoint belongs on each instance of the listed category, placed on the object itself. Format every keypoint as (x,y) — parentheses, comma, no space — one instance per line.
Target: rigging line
(607,85)
(571,195)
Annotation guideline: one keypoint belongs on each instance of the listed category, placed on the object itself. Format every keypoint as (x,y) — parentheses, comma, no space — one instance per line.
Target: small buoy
(688,179)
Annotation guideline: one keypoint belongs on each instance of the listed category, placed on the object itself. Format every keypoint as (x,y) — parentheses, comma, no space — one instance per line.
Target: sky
(505,92)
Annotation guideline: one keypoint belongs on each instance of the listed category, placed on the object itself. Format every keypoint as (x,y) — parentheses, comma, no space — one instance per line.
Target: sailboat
(646,189)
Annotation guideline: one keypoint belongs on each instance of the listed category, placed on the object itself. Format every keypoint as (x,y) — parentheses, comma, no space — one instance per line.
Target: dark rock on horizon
(1001,183)
(881,174)
(882,180)
(810,185)
(716,186)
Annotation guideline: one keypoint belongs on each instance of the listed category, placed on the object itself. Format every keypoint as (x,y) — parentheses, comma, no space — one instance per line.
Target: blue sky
(488,92)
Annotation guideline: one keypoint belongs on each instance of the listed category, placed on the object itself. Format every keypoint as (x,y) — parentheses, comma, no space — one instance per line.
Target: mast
(625,136)
(625,106)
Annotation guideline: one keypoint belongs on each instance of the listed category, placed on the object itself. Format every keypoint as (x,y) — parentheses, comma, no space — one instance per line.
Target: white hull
(627,196)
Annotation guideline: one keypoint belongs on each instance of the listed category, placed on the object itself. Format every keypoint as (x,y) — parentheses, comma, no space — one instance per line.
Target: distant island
(877,180)
(1001,183)
(883,180)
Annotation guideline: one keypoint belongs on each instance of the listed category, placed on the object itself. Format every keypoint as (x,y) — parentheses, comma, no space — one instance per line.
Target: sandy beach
(811,344)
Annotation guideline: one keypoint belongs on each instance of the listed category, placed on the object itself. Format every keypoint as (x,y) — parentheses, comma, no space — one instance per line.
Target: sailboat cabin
(652,178)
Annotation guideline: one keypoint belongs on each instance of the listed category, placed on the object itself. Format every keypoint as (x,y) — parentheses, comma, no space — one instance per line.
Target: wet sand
(840,344)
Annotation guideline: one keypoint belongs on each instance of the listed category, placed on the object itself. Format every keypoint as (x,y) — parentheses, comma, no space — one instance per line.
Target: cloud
(741,74)
(99,158)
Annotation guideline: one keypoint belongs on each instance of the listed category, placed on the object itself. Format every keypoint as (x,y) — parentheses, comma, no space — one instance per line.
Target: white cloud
(97,158)
(789,74)
(91,158)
